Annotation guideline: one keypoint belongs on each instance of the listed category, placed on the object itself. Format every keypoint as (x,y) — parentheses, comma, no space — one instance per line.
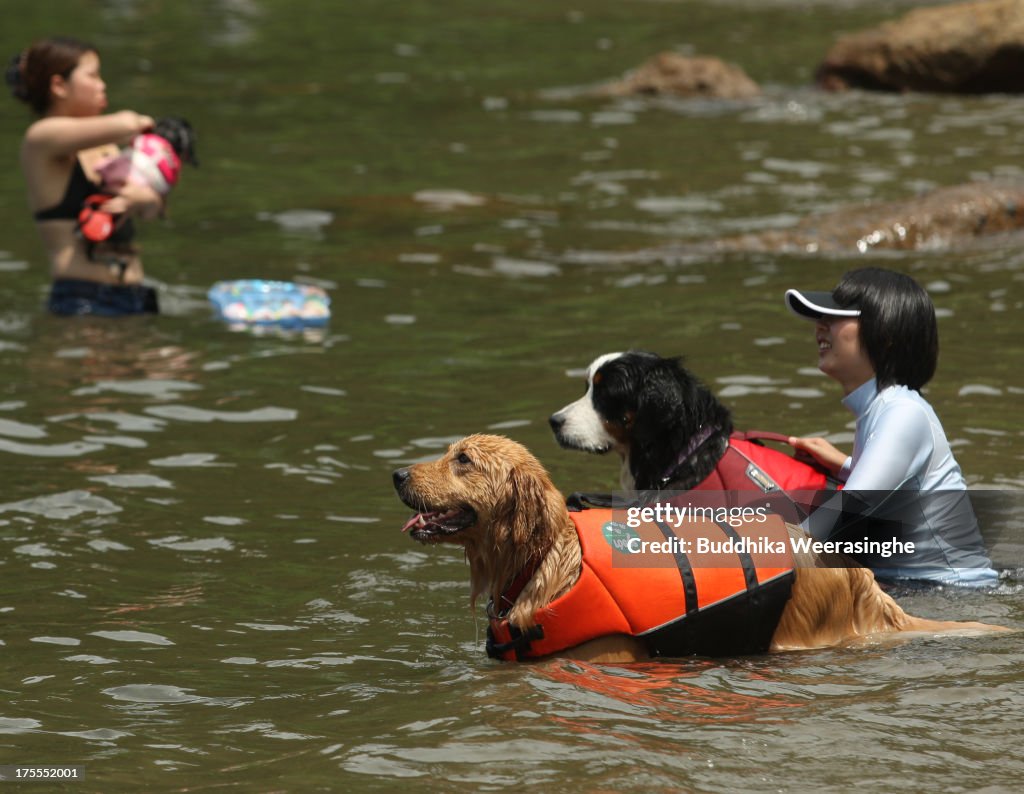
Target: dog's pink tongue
(416,520)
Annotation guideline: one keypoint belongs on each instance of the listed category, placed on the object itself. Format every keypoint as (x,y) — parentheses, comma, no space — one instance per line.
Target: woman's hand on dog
(138,200)
(819,450)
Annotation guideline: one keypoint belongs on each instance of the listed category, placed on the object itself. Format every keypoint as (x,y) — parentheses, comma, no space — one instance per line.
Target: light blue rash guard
(904,483)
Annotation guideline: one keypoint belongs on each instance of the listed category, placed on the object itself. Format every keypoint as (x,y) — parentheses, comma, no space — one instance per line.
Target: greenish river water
(203,585)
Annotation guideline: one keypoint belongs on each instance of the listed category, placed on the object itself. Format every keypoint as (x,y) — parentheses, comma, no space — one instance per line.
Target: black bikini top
(78,190)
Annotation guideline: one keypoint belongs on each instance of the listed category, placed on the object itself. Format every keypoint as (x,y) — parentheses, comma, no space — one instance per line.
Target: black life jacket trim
(685,571)
(742,594)
(740,625)
(749,569)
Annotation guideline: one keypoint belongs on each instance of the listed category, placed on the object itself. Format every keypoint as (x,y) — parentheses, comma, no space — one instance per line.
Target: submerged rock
(672,74)
(971,48)
(940,219)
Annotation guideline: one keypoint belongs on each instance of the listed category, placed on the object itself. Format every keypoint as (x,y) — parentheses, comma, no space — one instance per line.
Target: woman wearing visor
(877,337)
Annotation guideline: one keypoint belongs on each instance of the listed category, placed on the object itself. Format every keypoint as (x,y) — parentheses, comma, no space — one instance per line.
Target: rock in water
(965,48)
(943,218)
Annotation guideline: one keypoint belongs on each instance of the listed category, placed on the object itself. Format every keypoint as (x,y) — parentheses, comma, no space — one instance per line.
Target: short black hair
(898,329)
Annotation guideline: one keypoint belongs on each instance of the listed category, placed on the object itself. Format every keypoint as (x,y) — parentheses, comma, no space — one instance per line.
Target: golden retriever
(491,496)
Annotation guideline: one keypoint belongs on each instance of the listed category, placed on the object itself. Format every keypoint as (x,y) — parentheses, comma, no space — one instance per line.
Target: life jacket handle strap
(519,641)
(758,436)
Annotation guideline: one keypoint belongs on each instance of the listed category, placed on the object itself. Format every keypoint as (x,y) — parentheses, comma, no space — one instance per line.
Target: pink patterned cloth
(150,160)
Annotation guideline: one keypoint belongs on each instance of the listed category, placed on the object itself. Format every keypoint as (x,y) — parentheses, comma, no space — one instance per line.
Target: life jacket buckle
(519,641)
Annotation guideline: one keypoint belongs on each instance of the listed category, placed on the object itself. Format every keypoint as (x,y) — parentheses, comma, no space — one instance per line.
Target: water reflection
(672,692)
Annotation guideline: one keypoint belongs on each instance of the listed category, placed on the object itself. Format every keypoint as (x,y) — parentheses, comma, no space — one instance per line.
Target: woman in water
(877,336)
(59,78)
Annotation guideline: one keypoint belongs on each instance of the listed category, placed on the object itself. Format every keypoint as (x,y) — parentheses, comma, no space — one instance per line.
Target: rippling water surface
(202,581)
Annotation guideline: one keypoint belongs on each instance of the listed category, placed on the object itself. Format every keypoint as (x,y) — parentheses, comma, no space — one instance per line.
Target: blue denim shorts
(77,296)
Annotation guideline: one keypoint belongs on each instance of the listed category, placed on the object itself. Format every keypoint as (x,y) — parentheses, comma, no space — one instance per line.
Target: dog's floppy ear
(529,516)
(672,397)
(665,398)
(673,407)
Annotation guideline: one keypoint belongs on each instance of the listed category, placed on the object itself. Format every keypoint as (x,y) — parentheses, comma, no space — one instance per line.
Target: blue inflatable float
(257,301)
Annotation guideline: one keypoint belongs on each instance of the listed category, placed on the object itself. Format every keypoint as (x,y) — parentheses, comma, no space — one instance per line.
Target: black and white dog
(667,426)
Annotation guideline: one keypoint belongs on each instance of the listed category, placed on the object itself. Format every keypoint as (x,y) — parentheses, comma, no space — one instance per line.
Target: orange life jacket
(676,601)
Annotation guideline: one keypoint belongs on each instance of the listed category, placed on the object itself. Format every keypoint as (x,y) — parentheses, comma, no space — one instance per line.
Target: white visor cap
(815,305)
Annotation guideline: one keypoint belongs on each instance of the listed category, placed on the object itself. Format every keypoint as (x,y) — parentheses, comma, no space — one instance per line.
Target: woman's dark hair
(29,73)
(898,330)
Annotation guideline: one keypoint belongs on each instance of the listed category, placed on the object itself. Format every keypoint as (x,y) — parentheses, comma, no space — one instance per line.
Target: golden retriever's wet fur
(490,495)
